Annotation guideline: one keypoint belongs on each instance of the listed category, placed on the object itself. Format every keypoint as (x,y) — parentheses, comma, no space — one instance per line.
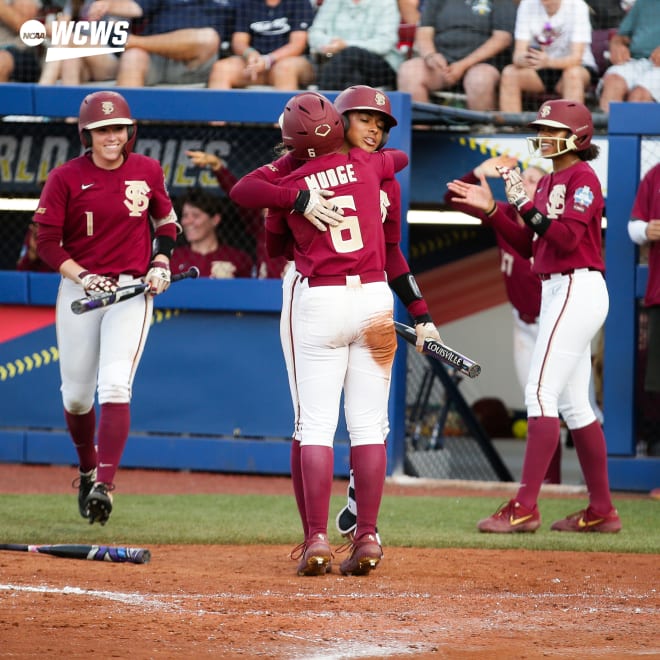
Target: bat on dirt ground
(83,305)
(440,352)
(92,552)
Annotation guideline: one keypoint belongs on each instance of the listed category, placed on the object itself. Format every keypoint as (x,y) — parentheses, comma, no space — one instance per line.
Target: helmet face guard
(311,126)
(105,109)
(363,97)
(569,115)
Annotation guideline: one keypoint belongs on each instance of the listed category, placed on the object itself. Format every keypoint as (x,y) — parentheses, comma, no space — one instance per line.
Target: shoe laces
(298,551)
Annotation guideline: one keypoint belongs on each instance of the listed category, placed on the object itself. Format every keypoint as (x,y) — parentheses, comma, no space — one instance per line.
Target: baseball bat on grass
(440,352)
(91,552)
(83,305)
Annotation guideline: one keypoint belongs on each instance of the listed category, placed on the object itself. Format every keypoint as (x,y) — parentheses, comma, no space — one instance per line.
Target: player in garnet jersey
(339,320)
(644,229)
(523,287)
(563,233)
(95,219)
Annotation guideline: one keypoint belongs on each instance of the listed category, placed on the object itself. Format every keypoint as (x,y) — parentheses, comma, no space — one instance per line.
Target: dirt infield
(246,602)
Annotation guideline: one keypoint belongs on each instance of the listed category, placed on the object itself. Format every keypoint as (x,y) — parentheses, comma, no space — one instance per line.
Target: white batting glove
(425,331)
(158,277)
(97,285)
(318,209)
(514,189)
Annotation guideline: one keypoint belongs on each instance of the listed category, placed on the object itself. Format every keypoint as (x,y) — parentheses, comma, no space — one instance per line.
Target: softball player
(94,216)
(563,233)
(338,315)
(644,229)
(523,286)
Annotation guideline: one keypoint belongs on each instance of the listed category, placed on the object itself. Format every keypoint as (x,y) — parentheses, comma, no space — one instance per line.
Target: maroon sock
(297,480)
(369,468)
(553,474)
(317,465)
(114,424)
(542,441)
(81,429)
(592,453)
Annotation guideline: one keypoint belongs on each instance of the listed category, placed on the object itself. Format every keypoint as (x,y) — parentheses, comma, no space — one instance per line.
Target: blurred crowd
(502,55)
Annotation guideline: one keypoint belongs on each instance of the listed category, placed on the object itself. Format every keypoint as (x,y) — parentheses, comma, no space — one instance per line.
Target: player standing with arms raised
(340,316)
(563,233)
(94,216)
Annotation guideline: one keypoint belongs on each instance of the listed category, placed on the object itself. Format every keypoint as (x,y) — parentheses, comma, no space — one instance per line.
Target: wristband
(301,201)
(82,274)
(163,245)
(536,221)
(159,264)
(423,318)
(492,211)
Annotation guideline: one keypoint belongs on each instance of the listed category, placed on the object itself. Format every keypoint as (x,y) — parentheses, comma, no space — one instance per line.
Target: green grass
(441,522)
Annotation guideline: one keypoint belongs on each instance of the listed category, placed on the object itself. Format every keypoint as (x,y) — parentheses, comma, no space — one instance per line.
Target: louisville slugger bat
(83,305)
(92,552)
(440,352)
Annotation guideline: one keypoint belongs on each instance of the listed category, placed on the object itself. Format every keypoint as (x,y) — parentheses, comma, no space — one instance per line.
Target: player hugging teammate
(337,318)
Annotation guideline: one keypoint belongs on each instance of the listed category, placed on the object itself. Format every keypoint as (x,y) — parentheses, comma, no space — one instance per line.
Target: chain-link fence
(29,150)
(444,439)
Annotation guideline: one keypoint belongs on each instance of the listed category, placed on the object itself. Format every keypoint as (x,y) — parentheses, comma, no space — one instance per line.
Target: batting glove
(97,285)
(318,209)
(425,331)
(514,189)
(158,277)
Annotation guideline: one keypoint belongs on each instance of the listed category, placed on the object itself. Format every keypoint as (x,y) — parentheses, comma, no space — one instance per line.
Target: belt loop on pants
(346,280)
(546,276)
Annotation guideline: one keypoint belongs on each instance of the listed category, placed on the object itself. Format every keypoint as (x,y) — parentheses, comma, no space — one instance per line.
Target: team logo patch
(380,99)
(107,107)
(583,198)
(322,130)
(545,111)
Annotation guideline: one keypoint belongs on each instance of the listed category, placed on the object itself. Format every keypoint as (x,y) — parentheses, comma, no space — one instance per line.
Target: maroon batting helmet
(311,126)
(571,115)
(363,97)
(105,109)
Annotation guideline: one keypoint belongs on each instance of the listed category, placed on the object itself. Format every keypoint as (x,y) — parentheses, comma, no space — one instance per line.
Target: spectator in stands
(460,45)
(18,63)
(270,43)
(253,219)
(354,42)
(178,43)
(607,14)
(200,219)
(552,53)
(29,259)
(410,11)
(635,55)
(80,69)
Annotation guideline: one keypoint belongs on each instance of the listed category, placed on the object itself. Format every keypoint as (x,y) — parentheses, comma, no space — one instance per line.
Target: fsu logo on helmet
(107,107)
(545,111)
(380,99)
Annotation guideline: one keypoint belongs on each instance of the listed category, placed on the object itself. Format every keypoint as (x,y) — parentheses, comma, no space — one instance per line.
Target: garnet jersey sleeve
(260,188)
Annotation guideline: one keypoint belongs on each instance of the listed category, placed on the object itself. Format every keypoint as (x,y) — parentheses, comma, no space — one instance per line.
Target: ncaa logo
(74,39)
